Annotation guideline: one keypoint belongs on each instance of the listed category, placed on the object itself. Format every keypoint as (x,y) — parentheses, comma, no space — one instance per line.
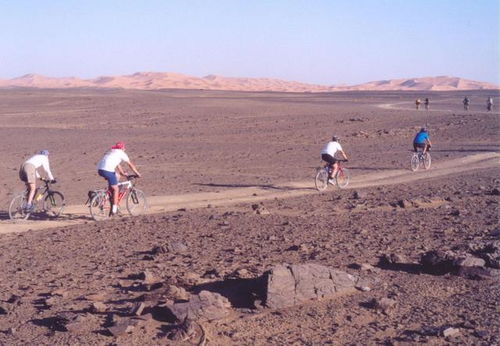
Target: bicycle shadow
(260,186)
(41,216)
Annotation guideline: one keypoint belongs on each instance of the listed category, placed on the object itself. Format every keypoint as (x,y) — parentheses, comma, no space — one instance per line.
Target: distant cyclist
(489,104)
(426,103)
(417,103)
(28,173)
(109,167)
(328,155)
(466,102)
(422,141)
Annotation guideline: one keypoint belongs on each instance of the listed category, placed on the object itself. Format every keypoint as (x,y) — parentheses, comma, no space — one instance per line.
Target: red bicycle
(341,178)
(100,200)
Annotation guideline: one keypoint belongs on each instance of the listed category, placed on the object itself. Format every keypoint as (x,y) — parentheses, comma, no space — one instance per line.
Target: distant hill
(167,80)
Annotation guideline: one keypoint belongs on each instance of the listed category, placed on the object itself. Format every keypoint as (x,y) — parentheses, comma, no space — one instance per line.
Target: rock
(469,261)
(177,247)
(260,209)
(50,301)
(437,262)
(495,232)
(183,331)
(3,311)
(495,192)
(98,307)
(177,293)
(450,332)
(147,277)
(159,249)
(393,258)
(137,309)
(403,203)
(383,304)
(359,195)
(13,299)
(364,288)
(289,285)
(60,292)
(121,328)
(203,306)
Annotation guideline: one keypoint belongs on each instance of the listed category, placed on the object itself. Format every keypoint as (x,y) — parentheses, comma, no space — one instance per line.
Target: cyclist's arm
(343,154)
(132,167)
(429,142)
(121,171)
(46,167)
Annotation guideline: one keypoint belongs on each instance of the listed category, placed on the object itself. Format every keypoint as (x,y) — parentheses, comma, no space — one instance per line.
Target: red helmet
(119,145)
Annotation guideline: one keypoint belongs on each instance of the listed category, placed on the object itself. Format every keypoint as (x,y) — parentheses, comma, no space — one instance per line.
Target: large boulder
(289,285)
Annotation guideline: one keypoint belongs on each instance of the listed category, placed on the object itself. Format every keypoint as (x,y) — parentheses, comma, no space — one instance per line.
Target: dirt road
(75,214)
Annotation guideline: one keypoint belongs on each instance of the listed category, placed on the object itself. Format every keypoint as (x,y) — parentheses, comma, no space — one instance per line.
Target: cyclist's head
(423,129)
(44,152)
(119,145)
(335,138)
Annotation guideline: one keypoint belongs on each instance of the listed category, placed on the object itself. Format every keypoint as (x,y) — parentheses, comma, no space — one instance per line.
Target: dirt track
(75,214)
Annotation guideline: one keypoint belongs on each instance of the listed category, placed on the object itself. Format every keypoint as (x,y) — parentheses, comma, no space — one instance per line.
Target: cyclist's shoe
(331,181)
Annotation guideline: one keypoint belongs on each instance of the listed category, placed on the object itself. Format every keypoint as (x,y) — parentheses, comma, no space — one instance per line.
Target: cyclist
(426,103)
(28,174)
(466,102)
(109,167)
(489,103)
(328,155)
(417,103)
(422,141)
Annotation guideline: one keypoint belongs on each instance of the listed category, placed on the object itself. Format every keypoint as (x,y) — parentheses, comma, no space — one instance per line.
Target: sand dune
(167,80)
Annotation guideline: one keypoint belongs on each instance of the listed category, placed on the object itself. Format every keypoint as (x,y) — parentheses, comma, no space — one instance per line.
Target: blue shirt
(421,137)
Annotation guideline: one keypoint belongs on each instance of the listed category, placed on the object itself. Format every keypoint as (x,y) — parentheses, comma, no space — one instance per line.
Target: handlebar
(132,176)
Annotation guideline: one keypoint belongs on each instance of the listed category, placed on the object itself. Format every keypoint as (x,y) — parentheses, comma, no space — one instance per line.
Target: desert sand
(230,180)
(167,80)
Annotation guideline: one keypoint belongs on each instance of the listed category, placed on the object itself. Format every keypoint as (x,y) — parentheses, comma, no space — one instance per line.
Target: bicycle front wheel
(53,204)
(427,160)
(342,178)
(415,162)
(17,208)
(136,202)
(100,206)
(321,179)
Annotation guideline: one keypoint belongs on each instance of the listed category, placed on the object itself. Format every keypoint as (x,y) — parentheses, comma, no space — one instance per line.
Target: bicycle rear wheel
(53,204)
(342,178)
(321,179)
(99,206)
(17,206)
(427,160)
(415,162)
(136,202)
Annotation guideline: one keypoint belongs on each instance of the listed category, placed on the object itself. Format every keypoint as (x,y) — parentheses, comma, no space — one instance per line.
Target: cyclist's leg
(27,174)
(415,148)
(335,169)
(113,188)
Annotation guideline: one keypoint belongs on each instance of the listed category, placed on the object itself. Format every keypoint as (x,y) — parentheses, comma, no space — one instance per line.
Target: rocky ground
(392,264)
(90,277)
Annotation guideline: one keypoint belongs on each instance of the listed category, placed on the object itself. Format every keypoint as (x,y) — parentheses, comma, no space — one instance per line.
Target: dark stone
(203,306)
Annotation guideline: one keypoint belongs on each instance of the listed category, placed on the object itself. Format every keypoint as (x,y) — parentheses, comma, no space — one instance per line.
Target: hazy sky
(314,41)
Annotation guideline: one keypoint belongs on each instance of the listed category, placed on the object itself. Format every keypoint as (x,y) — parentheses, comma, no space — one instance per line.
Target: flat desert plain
(230,180)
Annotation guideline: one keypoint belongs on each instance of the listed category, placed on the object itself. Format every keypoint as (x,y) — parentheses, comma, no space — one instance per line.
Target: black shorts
(328,158)
(419,145)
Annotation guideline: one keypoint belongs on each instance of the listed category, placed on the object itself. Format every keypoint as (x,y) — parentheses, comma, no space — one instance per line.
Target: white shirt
(38,161)
(111,159)
(331,148)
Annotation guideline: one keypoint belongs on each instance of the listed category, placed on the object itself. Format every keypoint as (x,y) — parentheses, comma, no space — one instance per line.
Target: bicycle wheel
(100,206)
(427,160)
(321,179)
(16,208)
(415,162)
(136,202)
(53,204)
(342,178)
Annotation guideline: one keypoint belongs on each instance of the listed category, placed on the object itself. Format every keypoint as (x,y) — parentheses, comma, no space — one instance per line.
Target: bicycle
(99,200)
(341,178)
(52,203)
(419,159)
